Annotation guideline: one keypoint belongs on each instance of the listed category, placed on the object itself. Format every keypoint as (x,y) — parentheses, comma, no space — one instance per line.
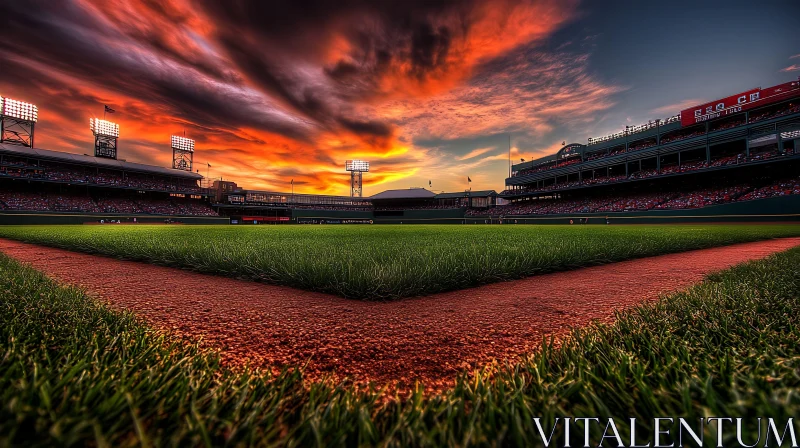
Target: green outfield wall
(777,209)
(330,214)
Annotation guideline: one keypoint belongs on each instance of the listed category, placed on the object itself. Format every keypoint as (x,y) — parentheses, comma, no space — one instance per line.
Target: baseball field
(76,371)
(389,261)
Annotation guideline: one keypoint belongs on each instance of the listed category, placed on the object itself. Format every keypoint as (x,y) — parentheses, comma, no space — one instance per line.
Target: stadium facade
(742,150)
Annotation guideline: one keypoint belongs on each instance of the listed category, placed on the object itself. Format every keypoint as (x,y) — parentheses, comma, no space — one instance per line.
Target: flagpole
(509,155)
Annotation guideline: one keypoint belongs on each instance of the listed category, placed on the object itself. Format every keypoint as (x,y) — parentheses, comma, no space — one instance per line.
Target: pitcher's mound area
(428,339)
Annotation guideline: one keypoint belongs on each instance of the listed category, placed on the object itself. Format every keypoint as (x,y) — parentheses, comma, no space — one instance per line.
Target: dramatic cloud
(281,90)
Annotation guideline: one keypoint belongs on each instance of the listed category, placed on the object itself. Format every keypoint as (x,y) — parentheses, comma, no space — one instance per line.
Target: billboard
(719,108)
(737,103)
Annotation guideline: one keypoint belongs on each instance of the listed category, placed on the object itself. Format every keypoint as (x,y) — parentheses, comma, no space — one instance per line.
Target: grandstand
(742,148)
(39,185)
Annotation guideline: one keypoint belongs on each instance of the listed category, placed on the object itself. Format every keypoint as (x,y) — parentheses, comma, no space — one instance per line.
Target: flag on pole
(108,109)
(468,179)
(292,182)
(209,165)
(429,184)
(521,160)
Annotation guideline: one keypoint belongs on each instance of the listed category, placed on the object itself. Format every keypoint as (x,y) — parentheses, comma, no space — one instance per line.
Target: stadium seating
(755,156)
(646,201)
(76,175)
(784,110)
(72,202)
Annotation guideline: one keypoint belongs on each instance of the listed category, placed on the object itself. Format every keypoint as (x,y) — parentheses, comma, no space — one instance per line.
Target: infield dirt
(428,339)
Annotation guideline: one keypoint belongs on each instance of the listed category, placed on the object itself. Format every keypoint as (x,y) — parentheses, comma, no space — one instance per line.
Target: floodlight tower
(106,134)
(17,119)
(182,153)
(356,168)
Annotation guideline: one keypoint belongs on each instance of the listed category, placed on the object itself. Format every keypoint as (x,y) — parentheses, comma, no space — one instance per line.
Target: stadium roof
(297,195)
(563,153)
(464,194)
(411,193)
(96,162)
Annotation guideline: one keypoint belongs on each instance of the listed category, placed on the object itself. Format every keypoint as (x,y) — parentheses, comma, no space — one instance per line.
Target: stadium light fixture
(103,127)
(357,166)
(17,120)
(182,143)
(19,110)
(183,153)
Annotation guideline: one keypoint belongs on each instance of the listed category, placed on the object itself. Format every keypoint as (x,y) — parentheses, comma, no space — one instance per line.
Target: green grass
(72,372)
(387,262)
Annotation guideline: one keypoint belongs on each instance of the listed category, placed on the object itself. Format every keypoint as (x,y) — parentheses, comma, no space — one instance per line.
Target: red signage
(265,218)
(719,108)
(737,103)
(780,89)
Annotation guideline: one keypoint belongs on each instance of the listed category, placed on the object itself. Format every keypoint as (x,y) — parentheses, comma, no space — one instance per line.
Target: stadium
(638,289)
(688,167)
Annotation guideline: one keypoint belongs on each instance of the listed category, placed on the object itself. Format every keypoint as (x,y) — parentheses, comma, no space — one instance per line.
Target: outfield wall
(782,209)
(330,214)
(444,216)
(8,217)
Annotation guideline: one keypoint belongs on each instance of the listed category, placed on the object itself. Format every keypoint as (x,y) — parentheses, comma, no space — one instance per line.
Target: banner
(719,108)
(738,103)
(266,218)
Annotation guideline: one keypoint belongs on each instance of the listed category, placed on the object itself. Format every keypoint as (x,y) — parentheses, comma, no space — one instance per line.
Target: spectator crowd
(652,172)
(88,176)
(57,202)
(645,201)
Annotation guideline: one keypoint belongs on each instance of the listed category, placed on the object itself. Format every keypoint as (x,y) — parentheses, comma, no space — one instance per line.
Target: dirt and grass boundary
(73,371)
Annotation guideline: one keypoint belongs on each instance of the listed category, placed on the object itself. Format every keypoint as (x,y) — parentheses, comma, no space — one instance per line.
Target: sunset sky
(424,90)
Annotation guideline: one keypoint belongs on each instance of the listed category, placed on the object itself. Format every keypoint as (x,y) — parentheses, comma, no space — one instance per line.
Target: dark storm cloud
(270,84)
(66,39)
(429,48)
(407,34)
(268,43)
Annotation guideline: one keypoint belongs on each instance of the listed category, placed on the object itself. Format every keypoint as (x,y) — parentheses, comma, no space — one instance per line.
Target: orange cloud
(274,92)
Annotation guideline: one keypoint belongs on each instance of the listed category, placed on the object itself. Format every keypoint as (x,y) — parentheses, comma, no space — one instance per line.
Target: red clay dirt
(429,339)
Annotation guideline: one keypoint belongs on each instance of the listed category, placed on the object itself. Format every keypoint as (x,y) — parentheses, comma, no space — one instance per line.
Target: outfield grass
(72,372)
(387,262)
